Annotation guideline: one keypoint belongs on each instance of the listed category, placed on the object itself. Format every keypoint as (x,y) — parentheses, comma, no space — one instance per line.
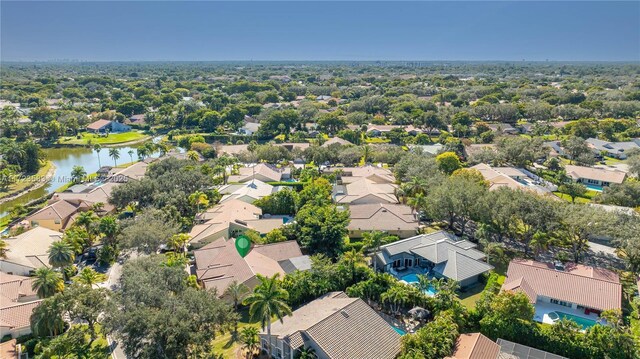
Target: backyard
(227,344)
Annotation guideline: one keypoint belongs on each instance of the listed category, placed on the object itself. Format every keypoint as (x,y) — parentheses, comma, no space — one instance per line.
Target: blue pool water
(593,187)
(399,331)
(413,279)
(583,322)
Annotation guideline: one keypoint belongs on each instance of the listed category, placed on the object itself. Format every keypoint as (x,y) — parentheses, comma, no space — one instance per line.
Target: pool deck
(542,311)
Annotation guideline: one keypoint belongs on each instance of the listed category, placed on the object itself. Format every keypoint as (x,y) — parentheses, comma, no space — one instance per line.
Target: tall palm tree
(61,254)
(47,282)
(249,339)
(372,242)
(98,148)
(130,152)
(88,221)
(267,300)
(115,154)
(199,198)
(46,319)
(88,276)
(143,152)
(351,260)
(4,249)
(236,291)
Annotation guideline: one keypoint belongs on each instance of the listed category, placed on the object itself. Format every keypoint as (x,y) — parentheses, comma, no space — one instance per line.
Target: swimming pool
(413,279)
(583,322)
(399,331)
(593,187)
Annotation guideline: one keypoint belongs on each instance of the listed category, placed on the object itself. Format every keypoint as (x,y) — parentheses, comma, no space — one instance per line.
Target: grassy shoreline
(30,183)
(89,139)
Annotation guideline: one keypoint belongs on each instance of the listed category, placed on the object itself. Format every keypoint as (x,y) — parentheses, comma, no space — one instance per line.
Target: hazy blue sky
(103,31)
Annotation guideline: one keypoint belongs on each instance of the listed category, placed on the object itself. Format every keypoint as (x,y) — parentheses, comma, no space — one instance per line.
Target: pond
(64,159)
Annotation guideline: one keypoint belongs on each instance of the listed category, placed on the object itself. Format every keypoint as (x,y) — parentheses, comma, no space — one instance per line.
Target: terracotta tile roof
(594,288)
(475,346)
(245,174)
(367,190)
(18,315)
(342,327)
(8,350)
(60,210)
(14,288)
(352,174)
(382,217)
(599,174)
(218,263)
(29,249)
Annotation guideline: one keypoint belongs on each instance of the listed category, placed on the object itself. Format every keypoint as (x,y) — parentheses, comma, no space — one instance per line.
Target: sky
(320,31)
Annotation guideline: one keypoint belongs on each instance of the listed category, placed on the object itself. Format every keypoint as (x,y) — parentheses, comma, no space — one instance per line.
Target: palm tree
(143,152)
(366,153)
(47,282)
(130,152)
(416,185)
(395,296)
(199,198)
(178,241)
(193,156)
(249,339)
(61,254)
(98,148)
(87,220)
(236,291)
(225,162)
(372,242)
(4,249)
(115,154)
(352,259)
(306,353)
(267,300)
(46,319)
(88,276)
(418,201)
(78,174)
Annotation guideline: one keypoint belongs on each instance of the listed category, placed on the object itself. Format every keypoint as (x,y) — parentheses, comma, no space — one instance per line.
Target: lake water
(64,159)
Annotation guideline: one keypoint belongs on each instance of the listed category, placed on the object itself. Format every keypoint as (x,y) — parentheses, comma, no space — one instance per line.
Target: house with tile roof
(572,290)
(58,215)
(17,301)
(510,177)
(336,327)
(262,171)
(218,264)
(365,191)
(28,251)
(394,219)
(592,176)
(229,219)
(438,254)
(475,346)
(247,192)
(90,195)
(352,174)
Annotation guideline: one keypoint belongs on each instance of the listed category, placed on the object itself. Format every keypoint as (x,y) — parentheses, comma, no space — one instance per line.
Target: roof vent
(344,313)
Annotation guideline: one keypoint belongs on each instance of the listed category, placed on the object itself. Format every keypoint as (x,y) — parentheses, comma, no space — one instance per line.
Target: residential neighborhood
(167,199)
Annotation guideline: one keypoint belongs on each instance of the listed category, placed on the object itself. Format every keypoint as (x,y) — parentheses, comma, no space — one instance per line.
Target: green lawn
(227,344)
(566,197)
(471,296)
(113,138)
(23,183)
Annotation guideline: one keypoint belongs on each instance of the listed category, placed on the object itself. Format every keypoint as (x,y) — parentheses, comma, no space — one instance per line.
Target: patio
(542,310)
